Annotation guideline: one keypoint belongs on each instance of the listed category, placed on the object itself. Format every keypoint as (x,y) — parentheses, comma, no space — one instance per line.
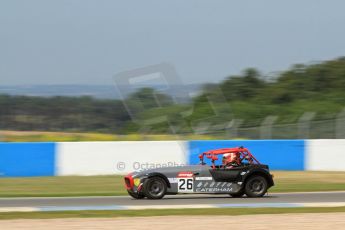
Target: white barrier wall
(102,158)
(325,155)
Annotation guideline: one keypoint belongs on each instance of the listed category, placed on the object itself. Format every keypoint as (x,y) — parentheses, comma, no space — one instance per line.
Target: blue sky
(87,42)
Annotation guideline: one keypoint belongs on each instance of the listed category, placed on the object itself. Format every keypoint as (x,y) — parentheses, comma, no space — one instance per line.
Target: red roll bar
(244,154)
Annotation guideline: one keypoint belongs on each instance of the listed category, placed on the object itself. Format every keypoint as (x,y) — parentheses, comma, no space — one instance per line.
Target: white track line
(182,195)
(193,206)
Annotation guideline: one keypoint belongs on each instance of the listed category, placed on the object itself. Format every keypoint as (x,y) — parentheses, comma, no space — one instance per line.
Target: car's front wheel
(155,188)
(256,186)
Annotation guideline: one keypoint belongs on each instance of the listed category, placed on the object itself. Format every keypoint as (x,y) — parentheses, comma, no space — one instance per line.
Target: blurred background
(236,70)
(92,90)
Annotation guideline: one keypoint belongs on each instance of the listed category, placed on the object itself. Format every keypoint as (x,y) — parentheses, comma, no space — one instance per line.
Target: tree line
(249,96)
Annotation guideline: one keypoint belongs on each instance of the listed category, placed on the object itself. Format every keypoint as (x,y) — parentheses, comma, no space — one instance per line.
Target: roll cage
(244,154)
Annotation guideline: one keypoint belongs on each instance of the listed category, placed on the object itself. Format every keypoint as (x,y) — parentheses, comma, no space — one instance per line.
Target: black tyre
(237,194)
(155,188)
(136,195)
(256,186)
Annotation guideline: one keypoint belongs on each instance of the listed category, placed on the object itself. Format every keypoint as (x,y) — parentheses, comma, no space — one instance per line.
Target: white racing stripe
(325,204)
(19,209)
(141,207)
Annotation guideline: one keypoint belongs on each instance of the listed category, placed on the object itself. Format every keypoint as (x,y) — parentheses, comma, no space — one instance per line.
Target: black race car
(240,173)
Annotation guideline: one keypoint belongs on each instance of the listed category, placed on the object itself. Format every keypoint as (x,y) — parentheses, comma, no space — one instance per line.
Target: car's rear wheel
(136,195)
(237,194)
(155,188)
(256,186)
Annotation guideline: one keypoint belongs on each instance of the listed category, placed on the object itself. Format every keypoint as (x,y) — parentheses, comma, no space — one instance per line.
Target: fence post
(232,127)
(340,125)
(304,125)
(266,127)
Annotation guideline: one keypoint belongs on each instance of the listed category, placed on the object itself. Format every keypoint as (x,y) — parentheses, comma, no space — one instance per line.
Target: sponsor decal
(226,189)
(203,178)
(136,182)
(172,180)
(185,174)
(213,187)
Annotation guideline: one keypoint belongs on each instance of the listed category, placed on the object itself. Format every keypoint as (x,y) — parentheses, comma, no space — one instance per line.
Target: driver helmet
(229,158)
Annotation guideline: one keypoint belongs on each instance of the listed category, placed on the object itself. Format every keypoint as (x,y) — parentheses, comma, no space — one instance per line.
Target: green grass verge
(113,185)
(308,181)
(62,186)
(38,136)
(164,212)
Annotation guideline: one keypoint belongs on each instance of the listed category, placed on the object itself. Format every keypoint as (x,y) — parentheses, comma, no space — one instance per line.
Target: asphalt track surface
(314,197)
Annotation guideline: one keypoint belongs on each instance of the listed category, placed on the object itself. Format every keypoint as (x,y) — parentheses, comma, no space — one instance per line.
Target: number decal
(181,183)
(190,184)
(185,185)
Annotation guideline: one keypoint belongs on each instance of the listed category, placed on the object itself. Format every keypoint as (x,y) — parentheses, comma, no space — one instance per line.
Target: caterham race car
(240,173)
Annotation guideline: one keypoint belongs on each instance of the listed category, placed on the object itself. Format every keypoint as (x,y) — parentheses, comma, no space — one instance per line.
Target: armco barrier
(100,158)
(27,159)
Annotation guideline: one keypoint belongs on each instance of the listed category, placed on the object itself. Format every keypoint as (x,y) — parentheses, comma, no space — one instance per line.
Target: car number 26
(185,184)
